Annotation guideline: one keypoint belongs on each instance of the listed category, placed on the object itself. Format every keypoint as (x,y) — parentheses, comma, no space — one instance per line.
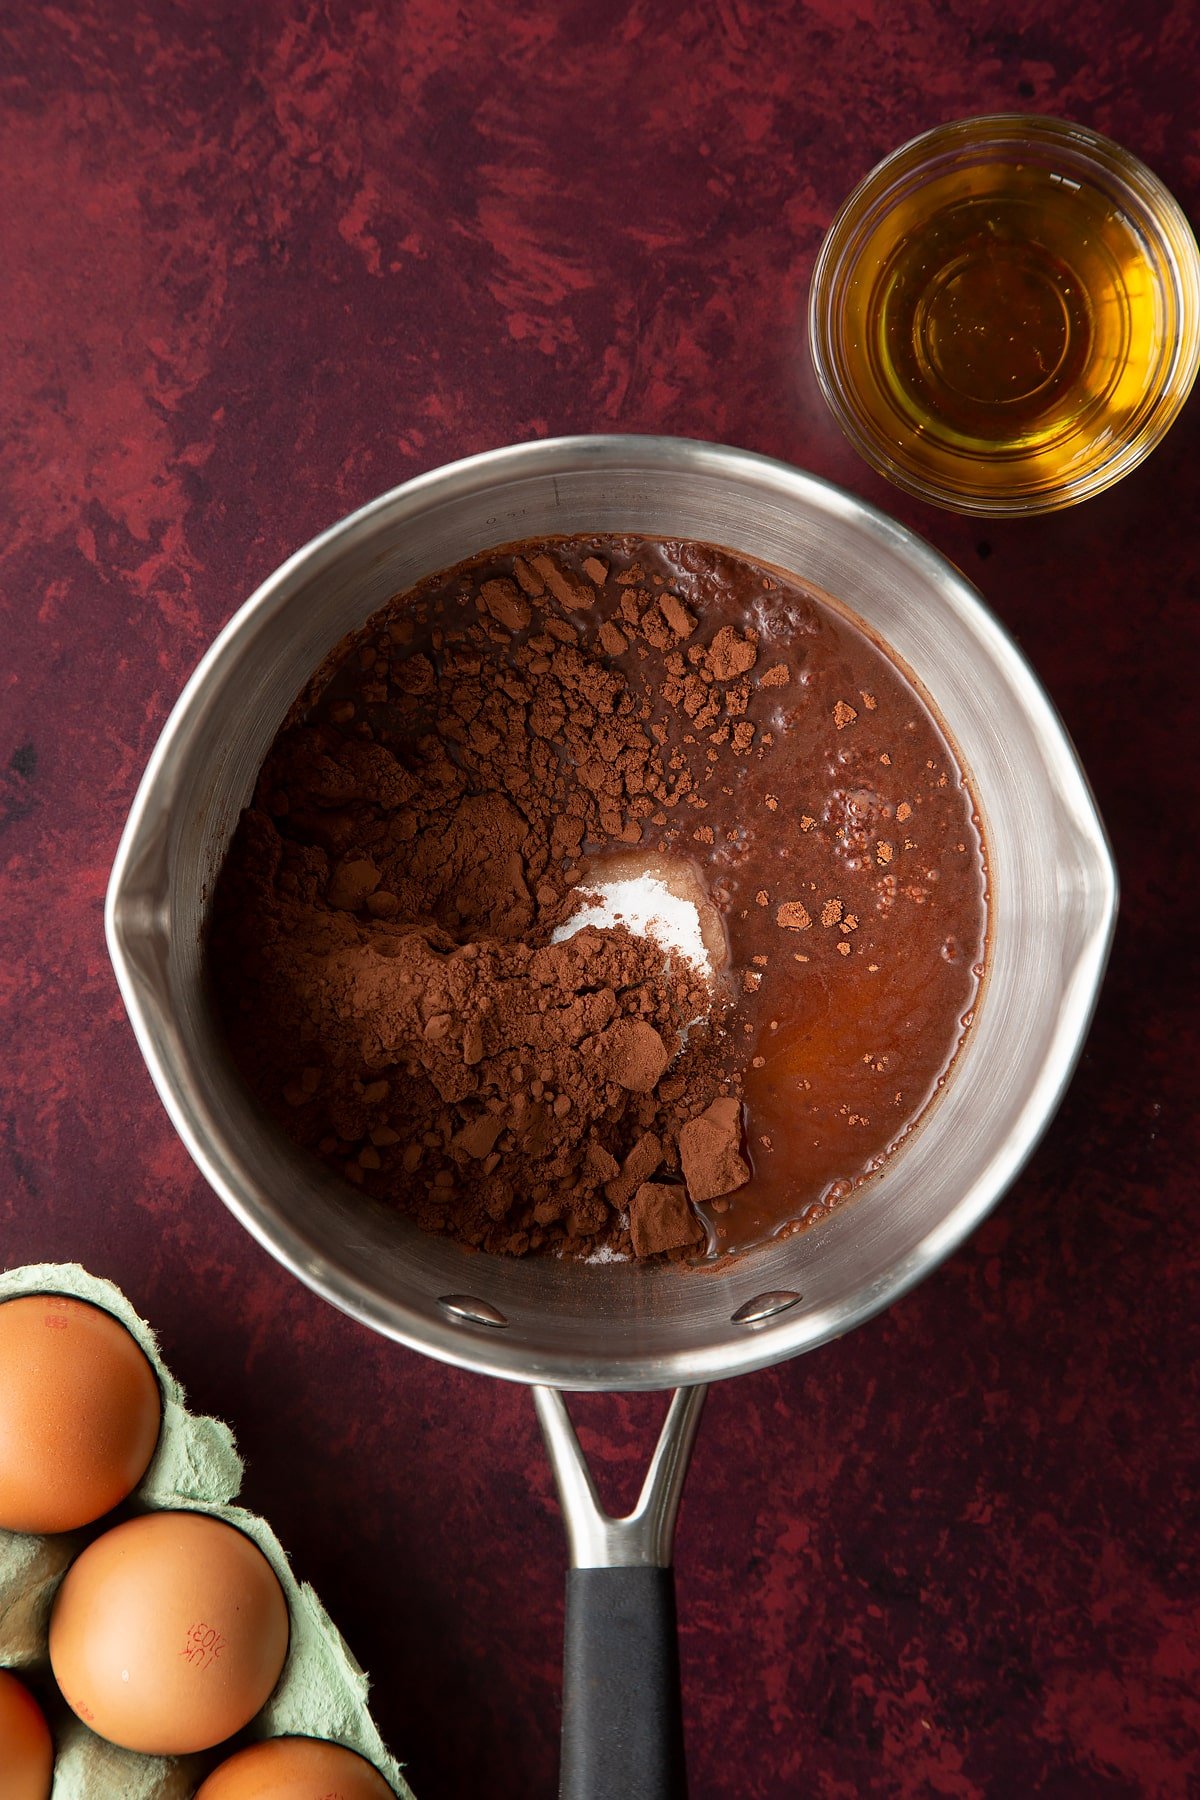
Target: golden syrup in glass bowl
(1004,318)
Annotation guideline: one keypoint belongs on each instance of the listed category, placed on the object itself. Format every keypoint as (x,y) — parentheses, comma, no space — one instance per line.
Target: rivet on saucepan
(474,1312)
(765,1306)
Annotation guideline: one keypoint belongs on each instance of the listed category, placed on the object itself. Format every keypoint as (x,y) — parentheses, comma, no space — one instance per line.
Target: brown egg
(169,1633)
(295,1768)
(26,1749)
(79,1413)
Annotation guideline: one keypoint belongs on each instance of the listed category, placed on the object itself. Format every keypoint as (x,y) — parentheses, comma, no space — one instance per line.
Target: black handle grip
(622,1731)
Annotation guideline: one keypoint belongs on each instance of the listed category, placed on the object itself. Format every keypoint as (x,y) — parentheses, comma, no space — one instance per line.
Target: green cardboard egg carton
(321,1693)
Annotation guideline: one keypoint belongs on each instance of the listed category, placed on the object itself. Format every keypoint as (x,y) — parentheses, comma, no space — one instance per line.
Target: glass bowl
(1005,314)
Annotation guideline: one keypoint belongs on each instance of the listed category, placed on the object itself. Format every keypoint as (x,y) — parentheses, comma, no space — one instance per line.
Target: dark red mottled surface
(261,262)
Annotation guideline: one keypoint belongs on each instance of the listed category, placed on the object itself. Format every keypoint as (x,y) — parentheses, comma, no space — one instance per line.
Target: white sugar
(604,1253)
(646,906)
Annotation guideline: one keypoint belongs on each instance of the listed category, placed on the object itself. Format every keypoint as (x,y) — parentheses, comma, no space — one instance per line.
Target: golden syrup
(1003,329)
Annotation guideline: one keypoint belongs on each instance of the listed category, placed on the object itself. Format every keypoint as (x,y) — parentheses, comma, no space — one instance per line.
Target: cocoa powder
(381,939)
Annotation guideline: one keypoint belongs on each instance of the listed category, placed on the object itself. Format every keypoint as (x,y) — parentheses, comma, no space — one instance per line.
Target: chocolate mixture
(387,944)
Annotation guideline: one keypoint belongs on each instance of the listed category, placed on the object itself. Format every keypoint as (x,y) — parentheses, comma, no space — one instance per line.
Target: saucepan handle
(622,1722)
(622,1730)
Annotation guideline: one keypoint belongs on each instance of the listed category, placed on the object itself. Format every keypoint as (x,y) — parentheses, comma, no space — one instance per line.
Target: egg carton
(322,1691)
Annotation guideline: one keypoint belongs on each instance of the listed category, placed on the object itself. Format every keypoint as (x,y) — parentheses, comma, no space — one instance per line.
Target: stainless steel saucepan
(563,1326)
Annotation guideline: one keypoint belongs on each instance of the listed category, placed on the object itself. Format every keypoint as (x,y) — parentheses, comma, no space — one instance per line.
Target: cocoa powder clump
(661,1219)
(709,1149)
